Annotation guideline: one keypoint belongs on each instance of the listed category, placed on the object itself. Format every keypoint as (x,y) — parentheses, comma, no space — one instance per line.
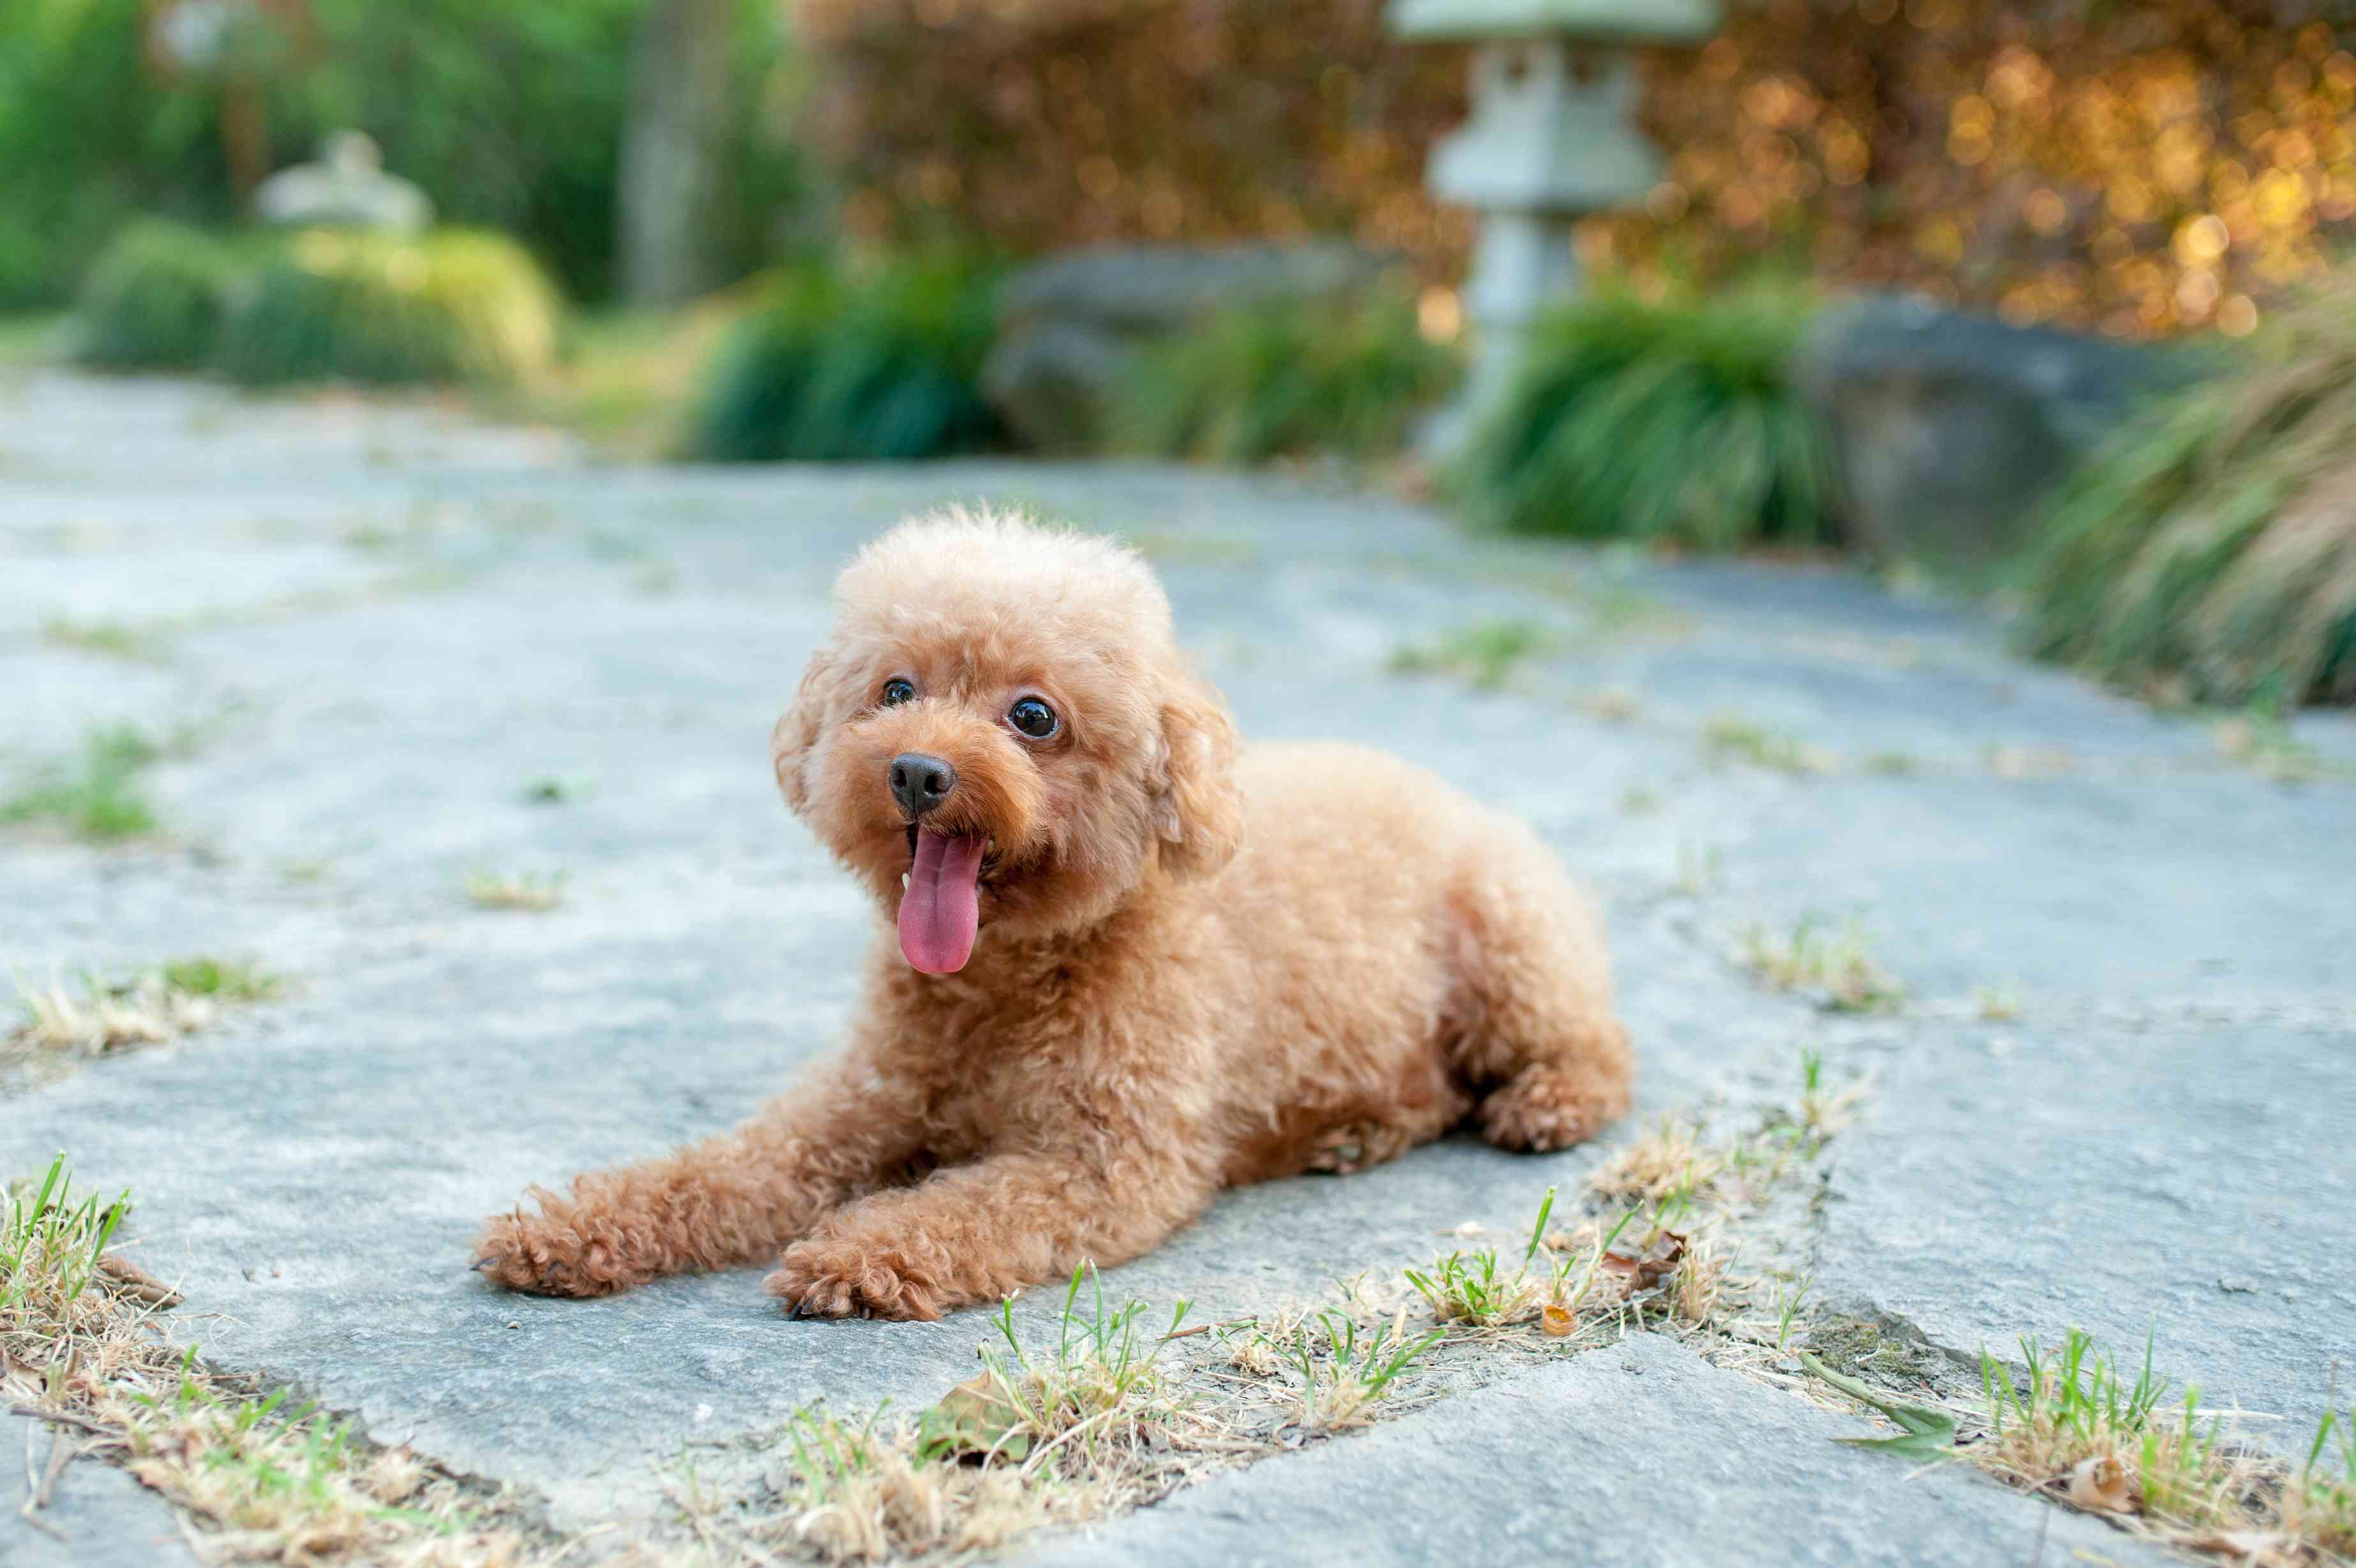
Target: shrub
(510,113)
(453,306)
(1676,422)
(2208,551)
(1263,381)
(827,366)
(154,300)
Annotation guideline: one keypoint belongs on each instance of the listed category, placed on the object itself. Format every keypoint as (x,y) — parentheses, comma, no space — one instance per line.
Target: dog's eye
(896,691)
(1034,718)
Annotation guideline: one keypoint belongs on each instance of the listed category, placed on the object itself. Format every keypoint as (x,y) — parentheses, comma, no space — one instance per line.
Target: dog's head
(1002,735)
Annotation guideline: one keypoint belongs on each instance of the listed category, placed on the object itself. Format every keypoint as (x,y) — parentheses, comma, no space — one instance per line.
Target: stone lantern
(1550,139)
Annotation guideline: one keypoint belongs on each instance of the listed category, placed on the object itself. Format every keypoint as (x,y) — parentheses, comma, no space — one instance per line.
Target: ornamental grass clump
(876,366)
(1675,423)
(1285,378)
(2207,553)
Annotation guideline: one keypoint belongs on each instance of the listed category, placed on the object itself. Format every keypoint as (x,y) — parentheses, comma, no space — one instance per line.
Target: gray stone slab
(2189,1184)
(1636,1453)
(381,624)
(97,1517)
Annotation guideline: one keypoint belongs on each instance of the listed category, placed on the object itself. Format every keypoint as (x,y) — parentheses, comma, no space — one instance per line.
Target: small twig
(64,1418)
(1206,1329)
(60,1457)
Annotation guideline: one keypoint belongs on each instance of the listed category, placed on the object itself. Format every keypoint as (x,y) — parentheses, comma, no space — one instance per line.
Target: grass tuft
(254,1479)
(1741,740)
(531,891)
(1837,971)
(1044,1435)
(102,1019)
(1344,1380)
(110,638)
(100,801)
(1484,652)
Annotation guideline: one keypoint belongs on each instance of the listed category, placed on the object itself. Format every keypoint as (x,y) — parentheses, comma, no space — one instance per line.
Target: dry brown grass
(1102,1422)
(529,891)
(80,1344)
(61,1024)
(2074,1428)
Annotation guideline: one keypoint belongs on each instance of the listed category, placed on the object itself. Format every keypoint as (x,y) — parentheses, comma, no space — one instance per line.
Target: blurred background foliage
(1286,379)
(788,221)
(509,113)
(1671,421)
(2208,554)
(2133,167)
(876,364)
(1042,124)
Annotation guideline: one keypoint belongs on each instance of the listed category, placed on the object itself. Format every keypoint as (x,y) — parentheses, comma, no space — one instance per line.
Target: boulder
(1947,426)
(1068,325)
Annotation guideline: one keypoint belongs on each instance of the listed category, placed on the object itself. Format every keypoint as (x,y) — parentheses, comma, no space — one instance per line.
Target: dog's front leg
(976,1232)
(721,1203)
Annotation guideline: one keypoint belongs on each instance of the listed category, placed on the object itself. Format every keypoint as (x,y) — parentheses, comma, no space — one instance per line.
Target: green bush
(1677,423)
(2208,551)
(831,366)
(330,305)
(1265,381)
(510,113)
(156,300)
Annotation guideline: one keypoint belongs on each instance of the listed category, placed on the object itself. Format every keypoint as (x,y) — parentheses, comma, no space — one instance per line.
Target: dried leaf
(1643,1273)
(975,1417)
(124,1277)
(1556,1322)
(2103,1485)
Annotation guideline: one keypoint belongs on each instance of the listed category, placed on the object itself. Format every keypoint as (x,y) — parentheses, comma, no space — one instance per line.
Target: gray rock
(1636,1453)
(1947,426)
(2000,1185)
(1068,325)
(97,1517)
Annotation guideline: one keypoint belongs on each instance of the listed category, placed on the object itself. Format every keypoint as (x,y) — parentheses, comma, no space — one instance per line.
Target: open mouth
(940,899)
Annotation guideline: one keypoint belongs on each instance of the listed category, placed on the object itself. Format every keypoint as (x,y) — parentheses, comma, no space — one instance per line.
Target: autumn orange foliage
(2140,168)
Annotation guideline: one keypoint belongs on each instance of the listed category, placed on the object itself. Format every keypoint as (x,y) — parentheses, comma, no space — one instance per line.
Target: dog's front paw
(828,1278)
(552,1252)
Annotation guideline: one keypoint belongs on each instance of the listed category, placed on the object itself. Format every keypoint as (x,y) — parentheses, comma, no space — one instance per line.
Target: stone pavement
(375,629)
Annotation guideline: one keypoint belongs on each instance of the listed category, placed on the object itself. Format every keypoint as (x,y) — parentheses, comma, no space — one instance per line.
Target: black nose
(920,783)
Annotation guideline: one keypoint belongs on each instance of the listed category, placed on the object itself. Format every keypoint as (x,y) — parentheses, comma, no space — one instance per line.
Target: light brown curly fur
(1196,968)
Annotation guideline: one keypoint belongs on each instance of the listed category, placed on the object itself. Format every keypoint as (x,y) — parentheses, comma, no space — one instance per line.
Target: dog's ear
(1196,809)
(797,730)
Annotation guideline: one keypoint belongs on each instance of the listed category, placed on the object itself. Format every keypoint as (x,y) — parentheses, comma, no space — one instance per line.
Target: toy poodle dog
(1128,963)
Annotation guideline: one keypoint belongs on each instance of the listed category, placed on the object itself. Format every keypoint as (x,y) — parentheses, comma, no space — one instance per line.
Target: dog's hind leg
(1536,1040)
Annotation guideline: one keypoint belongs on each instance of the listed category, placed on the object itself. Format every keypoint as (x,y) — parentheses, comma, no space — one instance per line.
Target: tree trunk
(671,151)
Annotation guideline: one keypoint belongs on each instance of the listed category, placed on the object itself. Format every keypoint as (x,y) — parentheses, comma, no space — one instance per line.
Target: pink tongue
(941,910)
